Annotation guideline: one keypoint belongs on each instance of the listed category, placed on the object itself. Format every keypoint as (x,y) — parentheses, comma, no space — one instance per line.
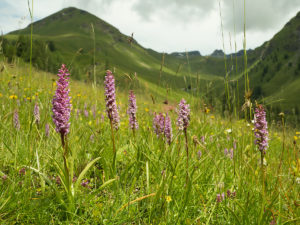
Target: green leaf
(84,171)
(234,215)
(49,182)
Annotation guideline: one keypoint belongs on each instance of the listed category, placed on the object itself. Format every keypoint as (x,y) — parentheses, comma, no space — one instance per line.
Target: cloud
(181,10)
(260,15)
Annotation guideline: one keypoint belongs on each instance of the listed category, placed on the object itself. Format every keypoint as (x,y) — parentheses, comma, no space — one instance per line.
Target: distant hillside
(217,53)
(71,32)
(277,75)
(183,54)
(69,37)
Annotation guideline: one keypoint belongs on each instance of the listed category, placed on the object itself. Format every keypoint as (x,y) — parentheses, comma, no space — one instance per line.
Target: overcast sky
(170,25)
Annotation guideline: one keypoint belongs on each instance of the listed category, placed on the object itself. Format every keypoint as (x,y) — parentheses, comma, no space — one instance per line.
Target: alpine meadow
(97,129)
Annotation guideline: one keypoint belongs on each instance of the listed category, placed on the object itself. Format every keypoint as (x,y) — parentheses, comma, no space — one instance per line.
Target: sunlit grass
(150,181)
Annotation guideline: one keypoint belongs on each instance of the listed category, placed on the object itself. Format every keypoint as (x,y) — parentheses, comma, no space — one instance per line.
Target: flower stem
(262,183)
(114,146)
(187,155)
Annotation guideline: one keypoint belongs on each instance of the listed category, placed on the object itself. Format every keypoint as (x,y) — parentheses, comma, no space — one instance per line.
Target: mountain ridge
(71,32)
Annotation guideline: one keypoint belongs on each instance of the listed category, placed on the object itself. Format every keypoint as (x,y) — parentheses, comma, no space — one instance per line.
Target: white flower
(228,131)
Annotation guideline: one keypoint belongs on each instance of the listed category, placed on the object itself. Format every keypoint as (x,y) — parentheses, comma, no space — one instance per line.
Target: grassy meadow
(152,182)
(211,172)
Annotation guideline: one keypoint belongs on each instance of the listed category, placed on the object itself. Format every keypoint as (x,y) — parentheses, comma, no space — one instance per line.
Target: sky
(171,25)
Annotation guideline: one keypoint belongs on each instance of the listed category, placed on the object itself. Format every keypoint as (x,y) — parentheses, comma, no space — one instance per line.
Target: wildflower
(158,124)
(57,180)
(212,117)
(13,97)
(94,111)
(77,113)
(231,194)
(168,129)
(16,120)
(228,193)
(36,113)
(47,130)
(132,108)
(85,183)
(85,112)
(1,95)
(220,197)
(231,154)
(234,144)
(199,153)
(74,179)
(168,198)
(228,131)
(203,139)
(110,98)
(4,177)
(61,103)
(183,115)
(261,128)
(207,110)
(295,138)
(22,171)
(225,151)
(298,132)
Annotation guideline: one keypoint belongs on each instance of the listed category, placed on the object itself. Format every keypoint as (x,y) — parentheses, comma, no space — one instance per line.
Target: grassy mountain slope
(71,32)
(273,67)
(277,75)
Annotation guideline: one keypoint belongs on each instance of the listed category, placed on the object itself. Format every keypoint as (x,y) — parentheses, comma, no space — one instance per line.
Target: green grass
(149,186)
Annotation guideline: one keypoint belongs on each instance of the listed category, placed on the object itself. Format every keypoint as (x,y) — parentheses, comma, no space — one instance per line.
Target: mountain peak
(217,53)
(73,10)
(72,21)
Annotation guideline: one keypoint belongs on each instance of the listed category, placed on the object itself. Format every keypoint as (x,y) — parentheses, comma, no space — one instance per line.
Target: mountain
(77,38)
(217,53)
(276,76)
(71,31)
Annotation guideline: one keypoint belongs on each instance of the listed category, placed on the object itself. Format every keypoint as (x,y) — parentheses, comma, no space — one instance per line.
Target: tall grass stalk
(226,82)
(31,38)
(94,63)
(247,84)
(236,63)
(161,68)
(187,156)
